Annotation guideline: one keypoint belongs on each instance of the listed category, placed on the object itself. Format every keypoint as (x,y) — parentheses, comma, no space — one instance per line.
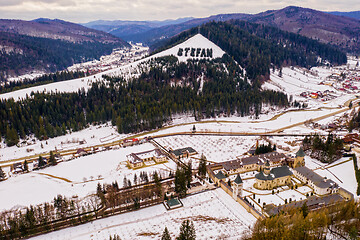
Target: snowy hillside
(198,46)
(193,44)
(319,86)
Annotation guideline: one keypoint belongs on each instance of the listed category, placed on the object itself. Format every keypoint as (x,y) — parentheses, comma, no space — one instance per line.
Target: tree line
(326,150)
(28,221)
(44,79)
(143,103)
(340,221)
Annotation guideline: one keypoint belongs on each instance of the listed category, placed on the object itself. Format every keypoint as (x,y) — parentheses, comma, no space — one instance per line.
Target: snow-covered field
(91,136)
(77,177)
(215,148)
(225,148)
(214,213)
(343,174)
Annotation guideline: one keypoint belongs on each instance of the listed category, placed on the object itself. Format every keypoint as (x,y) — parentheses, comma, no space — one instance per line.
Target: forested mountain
(328,28)
(168,31)
(57,29)
(258,48)
(168,87)
(49,45)
(123,29)
(354,14)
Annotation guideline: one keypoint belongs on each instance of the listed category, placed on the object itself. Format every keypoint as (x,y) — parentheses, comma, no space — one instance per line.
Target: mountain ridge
(57,29)
(341,31)
(49,45)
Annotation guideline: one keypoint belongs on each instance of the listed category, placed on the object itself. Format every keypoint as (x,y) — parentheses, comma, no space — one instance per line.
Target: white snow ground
(77,177)
(214,213)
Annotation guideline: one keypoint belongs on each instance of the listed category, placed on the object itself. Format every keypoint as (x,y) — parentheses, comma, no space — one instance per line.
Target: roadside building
(183,152)
(137,160)
(130,142)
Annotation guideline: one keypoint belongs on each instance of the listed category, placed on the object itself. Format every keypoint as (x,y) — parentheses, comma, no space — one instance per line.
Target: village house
(137,160)
(183,152)
(130,142)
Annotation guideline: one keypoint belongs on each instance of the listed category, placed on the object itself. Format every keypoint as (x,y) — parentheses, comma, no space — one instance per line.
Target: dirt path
(56,177)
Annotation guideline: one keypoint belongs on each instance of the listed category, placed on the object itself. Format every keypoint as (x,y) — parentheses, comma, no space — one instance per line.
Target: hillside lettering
(195,52)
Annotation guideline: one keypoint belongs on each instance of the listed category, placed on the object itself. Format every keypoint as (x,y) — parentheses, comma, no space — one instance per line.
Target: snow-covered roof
(318,180)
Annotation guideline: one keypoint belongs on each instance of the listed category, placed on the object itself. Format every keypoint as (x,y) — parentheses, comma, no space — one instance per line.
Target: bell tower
(237,186)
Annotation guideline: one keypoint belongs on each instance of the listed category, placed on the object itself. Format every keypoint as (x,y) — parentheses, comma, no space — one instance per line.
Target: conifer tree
(202,165)
(166,235)
(26,166)
(52,159)
(188,173)
(180,182)
(2,174)
(41,162)
(187,231)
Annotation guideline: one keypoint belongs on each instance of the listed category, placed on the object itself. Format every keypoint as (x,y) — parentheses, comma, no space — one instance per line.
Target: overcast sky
(89,10)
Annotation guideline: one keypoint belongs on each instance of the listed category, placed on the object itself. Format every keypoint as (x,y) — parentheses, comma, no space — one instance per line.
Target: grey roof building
(220,175)
(277,172)
(183,151)
(321,185)
(300,152)
(238,179)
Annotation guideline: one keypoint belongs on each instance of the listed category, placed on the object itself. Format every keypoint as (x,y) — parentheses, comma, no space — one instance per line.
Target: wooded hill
(166,88)
(49,45)
(259,48)
(26,53)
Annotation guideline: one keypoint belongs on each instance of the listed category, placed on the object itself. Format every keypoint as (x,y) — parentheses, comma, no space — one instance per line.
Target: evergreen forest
(147,102)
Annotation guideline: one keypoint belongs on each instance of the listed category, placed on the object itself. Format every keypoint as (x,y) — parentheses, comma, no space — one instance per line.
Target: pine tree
(2,174)
(26,166)
(187,231)
(12,138)
(166,235)
(52,159)
(202,165)
(305,210)
(41,162)
(157,183)
(188,173)
(180,182)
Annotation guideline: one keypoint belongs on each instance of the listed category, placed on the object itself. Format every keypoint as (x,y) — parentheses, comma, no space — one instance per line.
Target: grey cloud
(87,10)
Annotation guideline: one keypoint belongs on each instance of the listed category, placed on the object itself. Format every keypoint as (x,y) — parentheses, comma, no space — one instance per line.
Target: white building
(321,186)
